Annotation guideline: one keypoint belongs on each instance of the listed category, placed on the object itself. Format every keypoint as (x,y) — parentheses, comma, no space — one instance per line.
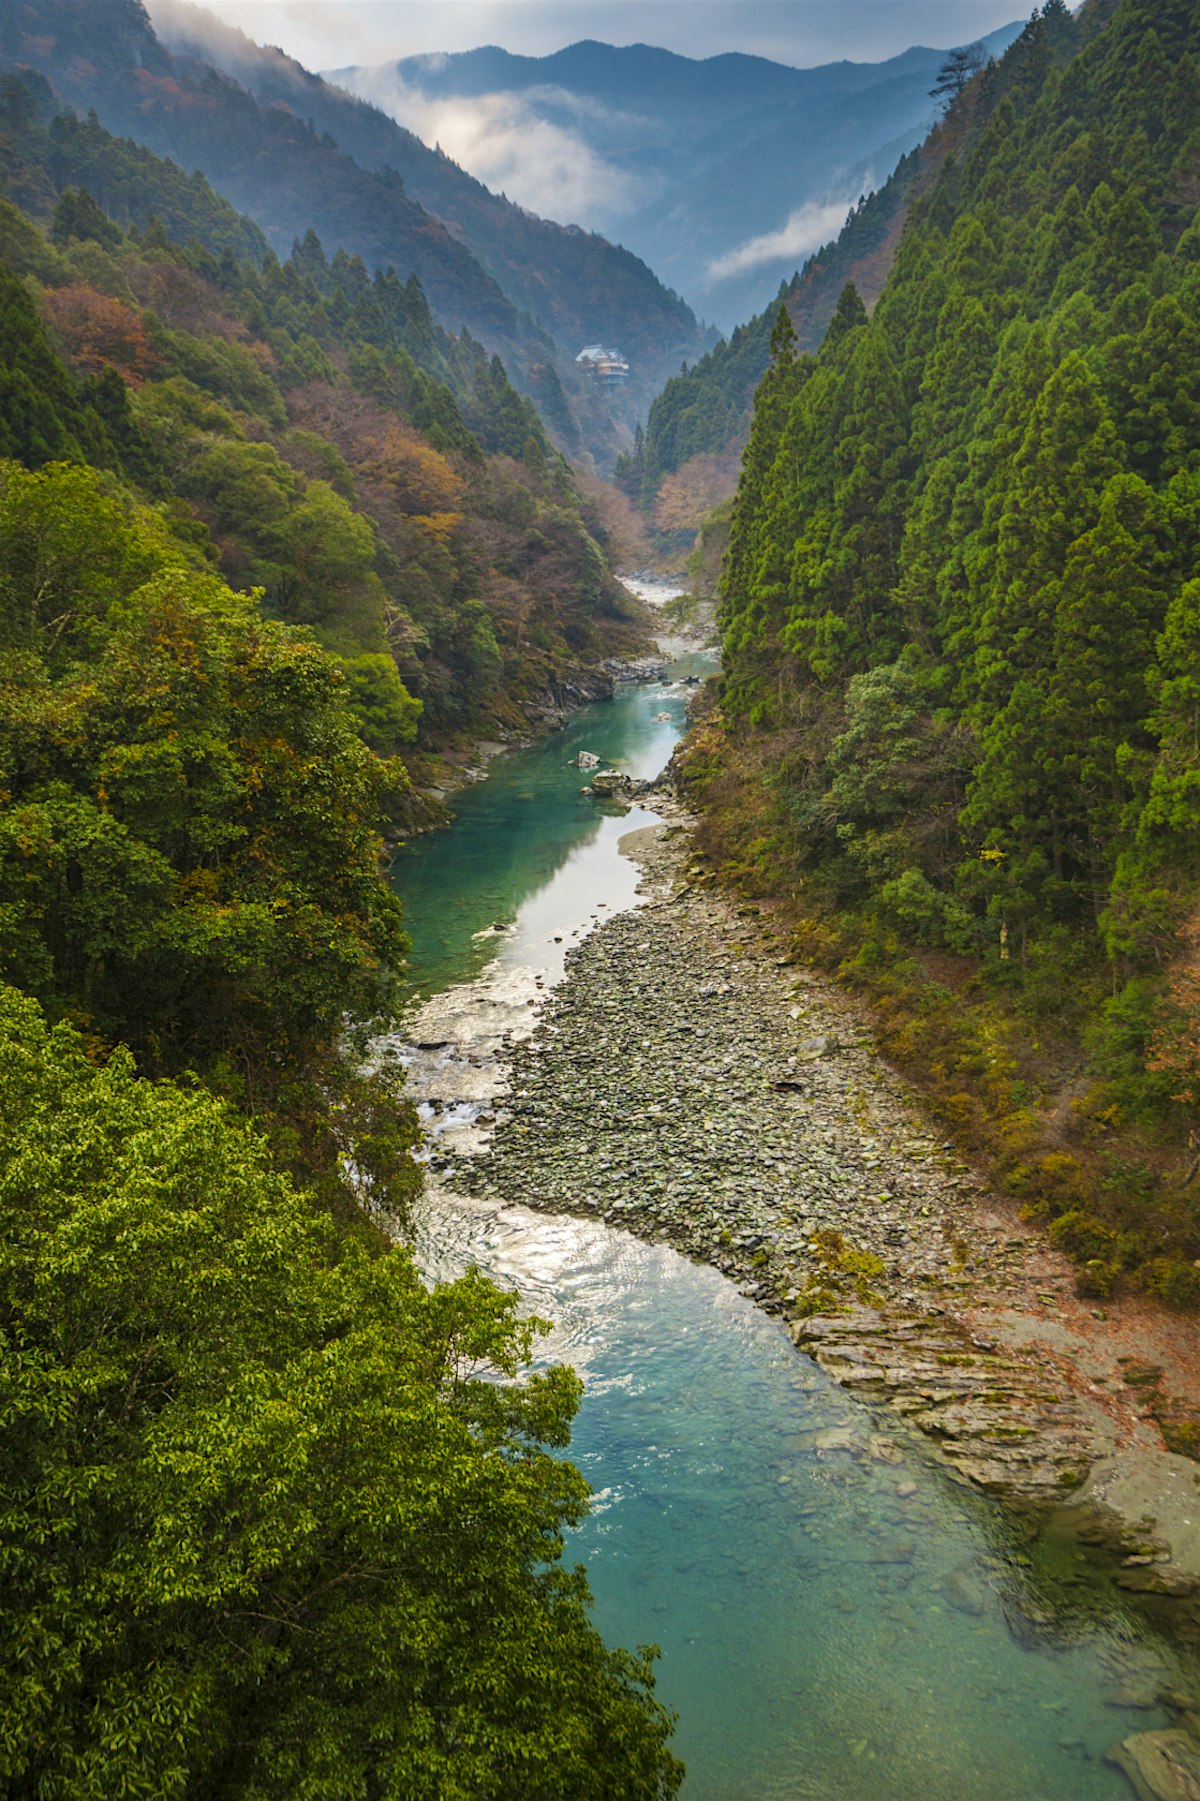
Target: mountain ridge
(273,154)
(451,193)
(698,165)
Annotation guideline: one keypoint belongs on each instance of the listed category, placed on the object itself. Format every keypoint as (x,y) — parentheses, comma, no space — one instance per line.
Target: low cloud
(503,141)
(542,163)
(810,226)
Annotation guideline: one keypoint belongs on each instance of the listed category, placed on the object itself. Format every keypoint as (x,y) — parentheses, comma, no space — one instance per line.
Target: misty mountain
(724,174)
(292,153)
(703,414)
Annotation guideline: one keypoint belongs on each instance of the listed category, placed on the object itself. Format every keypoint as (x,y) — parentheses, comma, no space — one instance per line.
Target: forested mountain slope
(705,410)
(260,523)
(961,623)
(296,155)
(377,478)
(711,168)
(105,56)
(577,284)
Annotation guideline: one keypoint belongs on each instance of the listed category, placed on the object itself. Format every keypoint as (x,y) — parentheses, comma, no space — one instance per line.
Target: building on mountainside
(607,367)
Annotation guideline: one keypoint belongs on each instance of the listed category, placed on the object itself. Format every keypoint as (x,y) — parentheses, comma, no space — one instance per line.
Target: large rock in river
(611,781)
(1162,1766)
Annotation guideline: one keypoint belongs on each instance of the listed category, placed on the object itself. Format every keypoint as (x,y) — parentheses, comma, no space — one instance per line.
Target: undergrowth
(1009,1068)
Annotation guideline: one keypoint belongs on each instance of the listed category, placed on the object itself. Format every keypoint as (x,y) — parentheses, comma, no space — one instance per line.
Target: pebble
(658,1092)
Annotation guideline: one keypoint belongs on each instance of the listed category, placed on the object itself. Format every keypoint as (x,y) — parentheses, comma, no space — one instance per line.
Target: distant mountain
(294,154)
(704,412)
(723,173)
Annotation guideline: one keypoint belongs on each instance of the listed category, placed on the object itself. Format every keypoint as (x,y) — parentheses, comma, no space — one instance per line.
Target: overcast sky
(331,33)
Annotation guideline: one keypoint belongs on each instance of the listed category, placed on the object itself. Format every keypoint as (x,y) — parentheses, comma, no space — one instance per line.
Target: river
(838,1620)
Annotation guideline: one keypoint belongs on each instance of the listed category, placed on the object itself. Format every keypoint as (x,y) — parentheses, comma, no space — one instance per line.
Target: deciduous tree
(278,1519)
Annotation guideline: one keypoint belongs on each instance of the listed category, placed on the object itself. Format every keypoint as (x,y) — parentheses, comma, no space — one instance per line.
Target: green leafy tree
(73,544)
(78,216)
(189,850)
(747,590)
(278,1520)
(386,712)
(198,874)
(1110,609)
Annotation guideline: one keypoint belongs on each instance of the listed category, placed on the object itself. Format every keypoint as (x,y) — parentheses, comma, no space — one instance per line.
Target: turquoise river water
(838,1620)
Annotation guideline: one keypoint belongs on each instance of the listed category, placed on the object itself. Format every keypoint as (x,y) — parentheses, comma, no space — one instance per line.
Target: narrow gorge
(835,1395)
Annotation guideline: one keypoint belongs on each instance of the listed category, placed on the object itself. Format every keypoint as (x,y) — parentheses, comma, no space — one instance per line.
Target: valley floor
(687,1082)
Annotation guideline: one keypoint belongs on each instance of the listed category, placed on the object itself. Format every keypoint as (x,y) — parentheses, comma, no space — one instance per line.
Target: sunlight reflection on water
(837,1619)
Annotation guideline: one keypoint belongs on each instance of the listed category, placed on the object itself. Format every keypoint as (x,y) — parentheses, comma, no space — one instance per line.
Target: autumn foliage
(98,332)
(687,497)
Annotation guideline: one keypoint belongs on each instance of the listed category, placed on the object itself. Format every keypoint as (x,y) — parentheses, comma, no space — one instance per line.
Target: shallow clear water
(811,1615)
(838,1621)
(528,850)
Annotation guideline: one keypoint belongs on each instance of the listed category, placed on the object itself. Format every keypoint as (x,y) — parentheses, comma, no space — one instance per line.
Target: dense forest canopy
(279,1519)
(704,412)
(960,607)
(310,425)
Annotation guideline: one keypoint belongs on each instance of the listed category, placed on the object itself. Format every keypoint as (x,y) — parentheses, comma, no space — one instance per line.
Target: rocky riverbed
(664,1067)
(688,1083)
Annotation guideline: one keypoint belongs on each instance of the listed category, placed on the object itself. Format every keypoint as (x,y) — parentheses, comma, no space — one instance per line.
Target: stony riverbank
(439,775)
(688,1084)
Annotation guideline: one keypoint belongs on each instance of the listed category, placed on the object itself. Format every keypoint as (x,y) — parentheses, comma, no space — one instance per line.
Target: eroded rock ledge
(687,1084)
(1003,1422)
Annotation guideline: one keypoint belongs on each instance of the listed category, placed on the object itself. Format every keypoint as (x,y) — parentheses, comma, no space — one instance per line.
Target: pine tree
(957,72)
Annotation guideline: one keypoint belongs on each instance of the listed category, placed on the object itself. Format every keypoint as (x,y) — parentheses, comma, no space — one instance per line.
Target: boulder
(611,781)
(964,1593)
(1157,1579)
(1162,1766)
(837,1438)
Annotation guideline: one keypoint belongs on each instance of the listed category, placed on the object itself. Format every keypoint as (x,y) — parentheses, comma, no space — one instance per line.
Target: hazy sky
(331,33)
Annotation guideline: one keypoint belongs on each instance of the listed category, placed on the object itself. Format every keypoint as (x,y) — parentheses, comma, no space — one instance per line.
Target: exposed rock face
(611,781)
(1162,1766)
(1149,1577)
(614,784)
(1000,1420)
(651,668)
(585,686)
